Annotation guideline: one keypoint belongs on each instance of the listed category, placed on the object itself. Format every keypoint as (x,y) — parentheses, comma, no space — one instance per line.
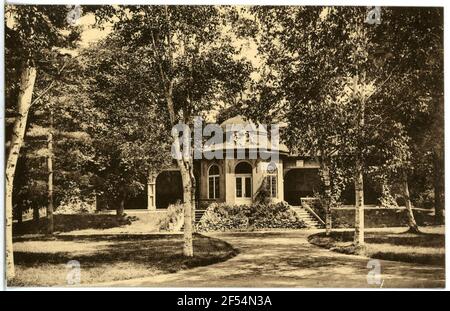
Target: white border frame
(441,3)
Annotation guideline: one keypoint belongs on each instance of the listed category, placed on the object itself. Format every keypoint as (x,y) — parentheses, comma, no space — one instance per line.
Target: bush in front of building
(279,215)
(258,216)
(173,220)
(223,217)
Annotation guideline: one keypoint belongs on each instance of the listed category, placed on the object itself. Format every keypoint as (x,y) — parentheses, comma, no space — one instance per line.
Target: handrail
(307,207)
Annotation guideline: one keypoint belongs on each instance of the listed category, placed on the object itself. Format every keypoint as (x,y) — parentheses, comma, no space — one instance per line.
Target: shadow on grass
(66,223)
(424,248)
(160,252)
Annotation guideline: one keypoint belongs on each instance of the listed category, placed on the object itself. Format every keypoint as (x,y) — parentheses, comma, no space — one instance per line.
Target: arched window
(243,172)
(243,168)
(213,182)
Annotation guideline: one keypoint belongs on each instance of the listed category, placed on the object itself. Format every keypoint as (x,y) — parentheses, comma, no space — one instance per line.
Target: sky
(91,33)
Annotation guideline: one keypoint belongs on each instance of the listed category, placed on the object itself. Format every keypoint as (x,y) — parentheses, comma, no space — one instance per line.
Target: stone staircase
(197,216)
(310,220)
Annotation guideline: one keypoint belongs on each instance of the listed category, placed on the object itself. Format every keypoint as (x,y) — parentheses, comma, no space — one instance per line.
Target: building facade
(237,176)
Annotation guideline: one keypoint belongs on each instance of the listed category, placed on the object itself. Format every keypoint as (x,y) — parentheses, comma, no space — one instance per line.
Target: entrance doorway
(243,183)
(300,183)
(169,188)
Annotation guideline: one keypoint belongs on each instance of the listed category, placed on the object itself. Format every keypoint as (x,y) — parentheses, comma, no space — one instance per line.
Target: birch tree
(310,58)
(190,64)
(350,86)
(31,32)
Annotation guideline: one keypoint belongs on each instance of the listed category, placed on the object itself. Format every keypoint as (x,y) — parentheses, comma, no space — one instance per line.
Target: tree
(304,77)
(31,34)
(337,81)
(129,134)
(54,133)
(409,48)
(190,64)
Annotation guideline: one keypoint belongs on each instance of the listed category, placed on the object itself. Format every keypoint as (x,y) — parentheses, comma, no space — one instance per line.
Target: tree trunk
(50,224)
(95,201)
(186,169)
(19,214)
(121,207)
(35,213)
(439,181)
(187,177)
(328,221)
(188,210)
(188,180)
(193,192)
(359,207)
(28,77)
(359,181)
(327,194)
(413,228)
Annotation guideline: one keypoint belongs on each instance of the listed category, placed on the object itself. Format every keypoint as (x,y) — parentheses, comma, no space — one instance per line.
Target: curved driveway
(287,259)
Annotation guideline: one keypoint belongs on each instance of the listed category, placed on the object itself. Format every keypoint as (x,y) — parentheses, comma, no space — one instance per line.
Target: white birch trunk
(188,199)
(50,225)
(359,181)
(327,193)
(28,77)
(359,207)
(187,179)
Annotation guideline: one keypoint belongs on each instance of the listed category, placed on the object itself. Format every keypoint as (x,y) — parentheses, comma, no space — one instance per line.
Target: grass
(42,260)
(67,223)
(389,244)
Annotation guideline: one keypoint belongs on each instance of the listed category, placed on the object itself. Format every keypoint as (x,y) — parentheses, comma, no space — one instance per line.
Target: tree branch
(49,87)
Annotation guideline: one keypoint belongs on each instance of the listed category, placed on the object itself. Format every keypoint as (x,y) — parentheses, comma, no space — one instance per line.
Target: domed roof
(229,127)
(235,120)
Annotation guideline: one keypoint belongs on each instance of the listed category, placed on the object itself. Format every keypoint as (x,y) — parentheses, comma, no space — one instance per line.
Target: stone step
(198,213)
(308,219)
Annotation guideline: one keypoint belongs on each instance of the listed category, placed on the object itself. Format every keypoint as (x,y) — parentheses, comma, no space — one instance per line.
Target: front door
(243,189)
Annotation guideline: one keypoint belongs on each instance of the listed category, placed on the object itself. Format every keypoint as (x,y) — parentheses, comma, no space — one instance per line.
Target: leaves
(323,64)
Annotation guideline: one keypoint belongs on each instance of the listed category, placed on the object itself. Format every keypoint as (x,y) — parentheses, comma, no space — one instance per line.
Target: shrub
(262,195)
(279,215)
(223,217)
(75,206)
(173,220)
(220,217)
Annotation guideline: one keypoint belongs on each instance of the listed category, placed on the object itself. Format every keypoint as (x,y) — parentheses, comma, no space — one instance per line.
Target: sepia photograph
(223,146)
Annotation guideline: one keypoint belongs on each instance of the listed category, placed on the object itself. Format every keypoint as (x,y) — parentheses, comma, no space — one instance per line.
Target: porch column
(151,191)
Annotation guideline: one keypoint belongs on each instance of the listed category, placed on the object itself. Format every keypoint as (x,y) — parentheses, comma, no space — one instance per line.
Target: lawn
(131,222)
(41,260)
(391,244)
(67,223)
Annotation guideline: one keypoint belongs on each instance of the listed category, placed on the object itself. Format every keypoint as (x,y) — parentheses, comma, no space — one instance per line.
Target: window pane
(248,187)
(211,188)
(267,183)
(216,187)
(239,187)
(243,168)
(273,186)
(214,170)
